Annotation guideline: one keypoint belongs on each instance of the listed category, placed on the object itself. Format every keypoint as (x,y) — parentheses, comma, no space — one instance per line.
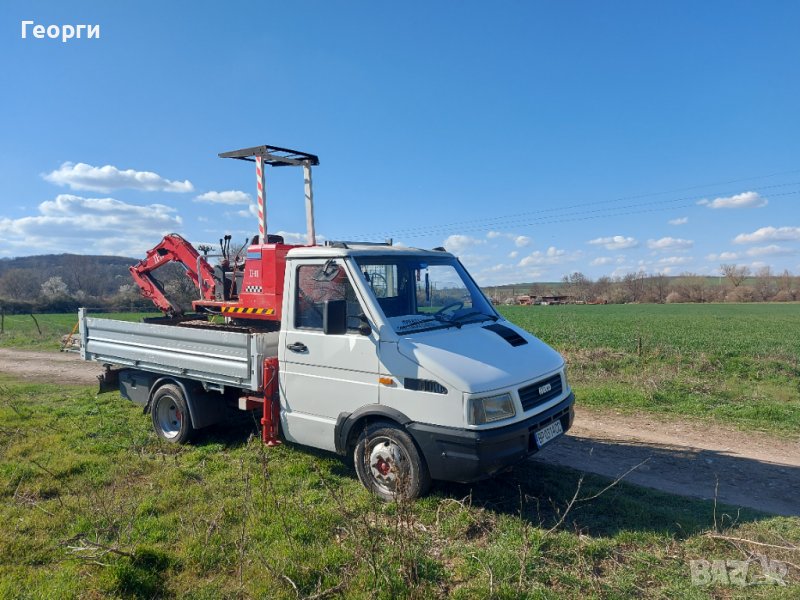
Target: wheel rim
(387,465)
(170,417)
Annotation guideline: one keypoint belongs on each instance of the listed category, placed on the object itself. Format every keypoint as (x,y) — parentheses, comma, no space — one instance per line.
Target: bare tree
(602,288)
(634,286)
(659,287)
(20,284)
(765,284)
(578,285)
(692,287)
(736,274)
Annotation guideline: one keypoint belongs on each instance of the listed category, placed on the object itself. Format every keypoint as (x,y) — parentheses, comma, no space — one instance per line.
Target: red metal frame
(271,418)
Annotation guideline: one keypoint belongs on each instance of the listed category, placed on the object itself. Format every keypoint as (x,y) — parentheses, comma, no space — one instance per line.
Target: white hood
(474,360)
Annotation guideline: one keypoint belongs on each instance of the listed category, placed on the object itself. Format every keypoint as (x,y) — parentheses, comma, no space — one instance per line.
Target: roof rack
(347,244)
(274,156)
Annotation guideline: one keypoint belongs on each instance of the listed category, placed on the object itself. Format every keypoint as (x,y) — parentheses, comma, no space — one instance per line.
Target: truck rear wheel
(389,464)
(170,414)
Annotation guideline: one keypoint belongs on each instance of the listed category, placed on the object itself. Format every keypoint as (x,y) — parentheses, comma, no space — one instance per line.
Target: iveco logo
(544,389)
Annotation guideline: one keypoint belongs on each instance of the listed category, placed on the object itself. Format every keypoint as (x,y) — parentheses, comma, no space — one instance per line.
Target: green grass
(20,331)
(93,505)
(733,363)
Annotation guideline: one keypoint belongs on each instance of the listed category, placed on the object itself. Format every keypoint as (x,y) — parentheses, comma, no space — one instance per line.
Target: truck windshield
(423,294)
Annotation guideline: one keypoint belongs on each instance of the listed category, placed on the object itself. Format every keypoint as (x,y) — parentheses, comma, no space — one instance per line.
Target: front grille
(530,396)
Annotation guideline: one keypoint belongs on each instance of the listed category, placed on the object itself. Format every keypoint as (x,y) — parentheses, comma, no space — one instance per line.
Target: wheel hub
(384,464)
(169,418)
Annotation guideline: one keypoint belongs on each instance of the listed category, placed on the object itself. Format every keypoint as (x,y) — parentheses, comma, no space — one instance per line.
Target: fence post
(39,329)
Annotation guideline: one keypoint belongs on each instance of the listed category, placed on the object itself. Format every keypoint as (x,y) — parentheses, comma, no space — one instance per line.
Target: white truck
(391,355)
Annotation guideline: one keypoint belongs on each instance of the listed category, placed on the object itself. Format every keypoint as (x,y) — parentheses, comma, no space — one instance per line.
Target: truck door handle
(298,347)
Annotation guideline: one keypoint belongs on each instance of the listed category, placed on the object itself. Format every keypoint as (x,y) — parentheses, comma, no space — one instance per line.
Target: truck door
(323,375)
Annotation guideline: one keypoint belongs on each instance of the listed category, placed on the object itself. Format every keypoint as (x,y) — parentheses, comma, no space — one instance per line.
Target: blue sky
(533,139)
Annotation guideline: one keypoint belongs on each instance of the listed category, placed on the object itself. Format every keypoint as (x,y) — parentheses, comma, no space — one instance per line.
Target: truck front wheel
(389,464)
(170,415)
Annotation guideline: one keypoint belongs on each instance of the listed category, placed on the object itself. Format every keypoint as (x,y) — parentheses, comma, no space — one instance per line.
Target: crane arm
(173,248)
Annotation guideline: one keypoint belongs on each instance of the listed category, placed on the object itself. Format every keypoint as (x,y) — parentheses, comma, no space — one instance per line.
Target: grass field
(45,332)
(734,363)
(93,505)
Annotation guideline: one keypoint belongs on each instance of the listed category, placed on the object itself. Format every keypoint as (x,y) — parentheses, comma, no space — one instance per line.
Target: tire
(170,413)
(389,464)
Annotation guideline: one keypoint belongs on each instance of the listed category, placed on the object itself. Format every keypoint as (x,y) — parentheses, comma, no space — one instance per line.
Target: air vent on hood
(424,385)
(508,334)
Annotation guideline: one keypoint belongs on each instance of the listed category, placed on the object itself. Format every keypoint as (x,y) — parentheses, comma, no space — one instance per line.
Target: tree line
(65,282)
(735,283)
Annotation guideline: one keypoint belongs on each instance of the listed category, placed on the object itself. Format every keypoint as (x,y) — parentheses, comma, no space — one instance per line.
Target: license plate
(549,433)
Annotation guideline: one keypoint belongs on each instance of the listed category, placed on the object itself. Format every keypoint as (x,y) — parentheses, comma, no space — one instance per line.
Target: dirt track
(682,457)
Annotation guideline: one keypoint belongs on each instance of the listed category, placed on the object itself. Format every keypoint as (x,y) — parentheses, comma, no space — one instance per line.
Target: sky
(532,139)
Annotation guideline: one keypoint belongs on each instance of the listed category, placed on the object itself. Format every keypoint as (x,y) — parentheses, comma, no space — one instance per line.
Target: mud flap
(108,380)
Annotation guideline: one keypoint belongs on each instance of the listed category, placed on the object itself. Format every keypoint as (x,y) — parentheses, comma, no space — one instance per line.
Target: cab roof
(342,249)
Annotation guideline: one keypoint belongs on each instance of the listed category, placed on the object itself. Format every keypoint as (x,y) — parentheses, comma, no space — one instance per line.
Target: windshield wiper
(415,323)
(458,321)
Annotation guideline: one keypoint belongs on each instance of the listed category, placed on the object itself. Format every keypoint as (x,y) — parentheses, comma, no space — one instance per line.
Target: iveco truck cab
(394,355)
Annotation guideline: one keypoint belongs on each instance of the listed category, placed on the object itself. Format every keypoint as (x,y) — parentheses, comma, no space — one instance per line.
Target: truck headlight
(490,409)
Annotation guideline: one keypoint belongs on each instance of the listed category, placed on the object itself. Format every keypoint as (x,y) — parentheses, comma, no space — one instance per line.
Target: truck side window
(315,285)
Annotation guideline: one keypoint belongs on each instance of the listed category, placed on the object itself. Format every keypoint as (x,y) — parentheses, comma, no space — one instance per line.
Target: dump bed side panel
(222,357)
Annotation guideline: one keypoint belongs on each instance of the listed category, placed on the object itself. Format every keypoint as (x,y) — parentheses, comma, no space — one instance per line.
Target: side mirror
(334,317)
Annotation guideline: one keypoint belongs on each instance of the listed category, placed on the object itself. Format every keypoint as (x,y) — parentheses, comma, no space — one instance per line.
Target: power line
(576,217)
(485,224)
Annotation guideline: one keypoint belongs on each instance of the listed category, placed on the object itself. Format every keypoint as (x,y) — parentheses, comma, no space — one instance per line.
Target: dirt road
(683,457)
(680,457)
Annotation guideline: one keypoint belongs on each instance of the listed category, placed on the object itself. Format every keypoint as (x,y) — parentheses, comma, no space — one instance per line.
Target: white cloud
(521,241)
(616,242)
(601,260)
(674,260)
(91,225)
(669,243)
(85,177)
(250,211)
(743,200)
(551,256)
(228,197)
(513,254)
(300,239)
(768,234)
(771,250)
(679,221)
(459,243)
(723,256)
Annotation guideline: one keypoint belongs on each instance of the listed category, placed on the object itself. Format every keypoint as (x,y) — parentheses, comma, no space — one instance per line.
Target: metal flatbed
(212,356)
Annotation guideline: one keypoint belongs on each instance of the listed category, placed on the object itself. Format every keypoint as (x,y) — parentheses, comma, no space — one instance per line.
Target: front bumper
(465,455)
